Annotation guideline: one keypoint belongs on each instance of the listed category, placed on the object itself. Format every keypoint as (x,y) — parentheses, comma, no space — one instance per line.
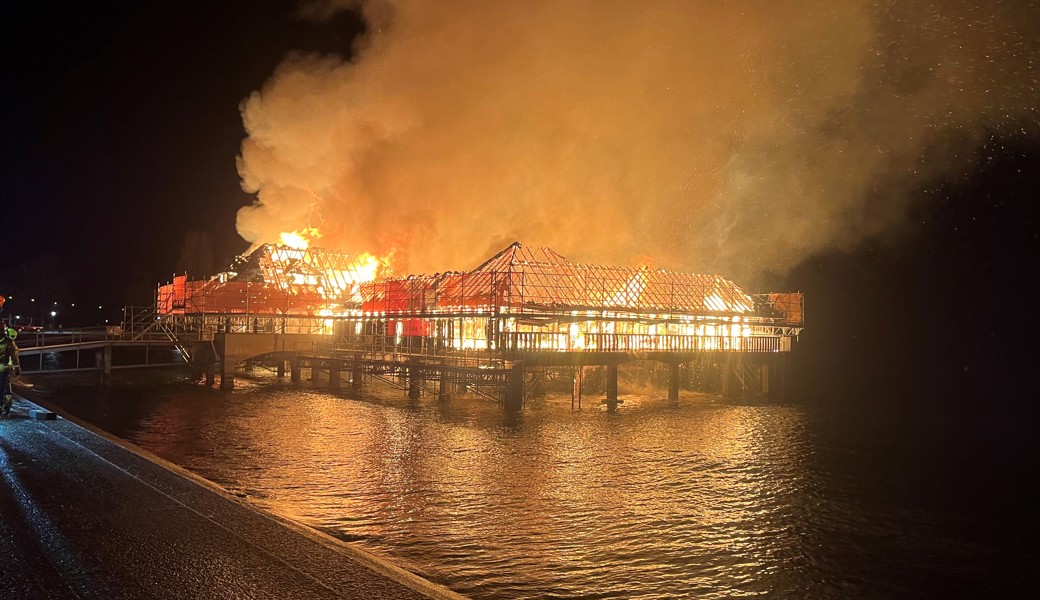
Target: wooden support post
(732,382)
(196,362)
(442,387)
(514,392)
(414,374)
(315,373)
(777,377)
(356,373)
(612,384)
(281,368)
(227,370)
(579,374)
(673,381)
(334,376)
(294,371)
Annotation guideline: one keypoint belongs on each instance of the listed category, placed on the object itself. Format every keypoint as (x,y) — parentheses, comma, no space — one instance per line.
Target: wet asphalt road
(84,517)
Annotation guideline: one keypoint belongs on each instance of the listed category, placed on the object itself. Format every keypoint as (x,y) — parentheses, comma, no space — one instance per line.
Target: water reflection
(654,500)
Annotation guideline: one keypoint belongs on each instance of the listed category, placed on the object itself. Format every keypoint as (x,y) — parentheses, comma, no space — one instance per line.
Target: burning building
(525,299)
(275,280)
(520,300)
(521,311)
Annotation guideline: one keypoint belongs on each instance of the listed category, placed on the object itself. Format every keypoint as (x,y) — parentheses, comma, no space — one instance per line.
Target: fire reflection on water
(653,500)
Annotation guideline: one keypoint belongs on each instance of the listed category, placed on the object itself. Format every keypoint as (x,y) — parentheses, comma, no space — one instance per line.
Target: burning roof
(525,278)
(519,279)
(331,274)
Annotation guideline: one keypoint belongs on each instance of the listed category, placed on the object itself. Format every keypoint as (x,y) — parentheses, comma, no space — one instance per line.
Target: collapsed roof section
(333,275)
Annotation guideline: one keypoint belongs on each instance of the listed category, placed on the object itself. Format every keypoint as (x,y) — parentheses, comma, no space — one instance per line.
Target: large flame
(331,280)
(365,268)
(299,239)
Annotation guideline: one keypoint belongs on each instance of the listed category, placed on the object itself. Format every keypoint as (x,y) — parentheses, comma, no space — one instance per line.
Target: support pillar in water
(356,373)
(294,371)
(198,368)
(673,381)
(732,376)
(334,376)
(442,387)
(579,374)
(612,400)
(281,368)
(227,375)
(774,385)
(415,381)
(514,392)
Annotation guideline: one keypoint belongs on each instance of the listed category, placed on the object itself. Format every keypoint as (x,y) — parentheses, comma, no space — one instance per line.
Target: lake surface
(688,499)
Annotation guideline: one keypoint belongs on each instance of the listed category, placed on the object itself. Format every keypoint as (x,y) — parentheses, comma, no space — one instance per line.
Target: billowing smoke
(710,136)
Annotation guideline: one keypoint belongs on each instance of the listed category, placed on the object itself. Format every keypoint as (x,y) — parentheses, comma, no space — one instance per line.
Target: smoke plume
(716,136)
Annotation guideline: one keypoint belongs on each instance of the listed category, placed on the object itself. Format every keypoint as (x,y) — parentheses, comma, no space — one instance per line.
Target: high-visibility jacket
(8,354)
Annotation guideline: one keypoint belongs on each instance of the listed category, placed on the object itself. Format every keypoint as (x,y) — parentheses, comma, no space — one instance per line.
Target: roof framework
(334,275)
(518,280)
(532,278)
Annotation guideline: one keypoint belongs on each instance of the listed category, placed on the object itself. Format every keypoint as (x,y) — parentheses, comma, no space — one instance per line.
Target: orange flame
(300,239)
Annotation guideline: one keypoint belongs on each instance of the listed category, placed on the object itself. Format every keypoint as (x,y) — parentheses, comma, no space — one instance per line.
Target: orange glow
(299,240)
(629,296)
(330,282)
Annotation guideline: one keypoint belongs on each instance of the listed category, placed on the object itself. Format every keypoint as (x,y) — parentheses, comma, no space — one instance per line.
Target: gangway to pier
(103,349)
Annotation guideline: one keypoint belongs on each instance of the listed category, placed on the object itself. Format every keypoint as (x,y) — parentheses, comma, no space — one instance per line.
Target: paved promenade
(86,516)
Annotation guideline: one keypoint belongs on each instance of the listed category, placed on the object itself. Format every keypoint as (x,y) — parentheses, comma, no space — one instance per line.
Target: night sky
(122,126)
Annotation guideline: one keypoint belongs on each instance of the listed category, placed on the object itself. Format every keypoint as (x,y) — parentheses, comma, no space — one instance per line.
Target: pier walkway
(85,515)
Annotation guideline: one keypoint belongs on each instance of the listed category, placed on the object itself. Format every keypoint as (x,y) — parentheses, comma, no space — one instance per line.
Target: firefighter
(9,366)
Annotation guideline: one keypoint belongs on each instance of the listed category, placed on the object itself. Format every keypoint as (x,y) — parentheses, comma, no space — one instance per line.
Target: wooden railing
(611,342)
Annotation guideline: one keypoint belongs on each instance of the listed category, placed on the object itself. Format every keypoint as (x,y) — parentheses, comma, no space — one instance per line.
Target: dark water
(697,499)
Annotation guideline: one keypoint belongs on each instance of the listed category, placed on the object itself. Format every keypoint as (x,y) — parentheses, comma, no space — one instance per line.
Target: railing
(561,342)
(61,337)
(611,342)
(380,343)
(89,349)
(415,347)
(230,323)
(145,325)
